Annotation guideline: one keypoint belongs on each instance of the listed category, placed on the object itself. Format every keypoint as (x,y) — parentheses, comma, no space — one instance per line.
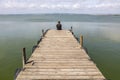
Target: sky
(60,6)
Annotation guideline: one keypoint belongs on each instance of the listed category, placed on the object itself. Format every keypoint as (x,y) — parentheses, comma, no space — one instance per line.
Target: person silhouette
(59,26)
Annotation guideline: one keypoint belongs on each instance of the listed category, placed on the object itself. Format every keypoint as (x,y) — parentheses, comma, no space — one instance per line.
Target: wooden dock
(59,56)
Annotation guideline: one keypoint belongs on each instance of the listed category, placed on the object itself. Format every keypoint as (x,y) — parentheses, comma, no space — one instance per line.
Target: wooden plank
(62,64)
(39,50)
(58,58)
(29,77)
(61,67)
(61,70)
(61,61)
(62,73)
(61,56)
(49,59)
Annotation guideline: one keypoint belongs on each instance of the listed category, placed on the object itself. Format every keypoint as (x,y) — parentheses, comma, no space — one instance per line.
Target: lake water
(101,37)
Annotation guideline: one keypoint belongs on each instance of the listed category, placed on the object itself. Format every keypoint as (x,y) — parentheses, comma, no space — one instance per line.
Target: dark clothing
(59,26)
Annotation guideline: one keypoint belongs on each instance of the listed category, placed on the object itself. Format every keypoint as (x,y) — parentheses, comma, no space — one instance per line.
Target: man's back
(59,26)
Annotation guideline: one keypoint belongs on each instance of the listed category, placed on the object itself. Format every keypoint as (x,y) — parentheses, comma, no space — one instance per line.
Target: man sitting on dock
(59,26)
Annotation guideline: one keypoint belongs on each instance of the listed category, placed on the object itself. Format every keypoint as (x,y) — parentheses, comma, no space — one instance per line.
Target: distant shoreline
(62,17)
(64,14)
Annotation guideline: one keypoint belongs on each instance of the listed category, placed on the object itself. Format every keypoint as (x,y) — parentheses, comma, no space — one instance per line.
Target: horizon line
(58,13)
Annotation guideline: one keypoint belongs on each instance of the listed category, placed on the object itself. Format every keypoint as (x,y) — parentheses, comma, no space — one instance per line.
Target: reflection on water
(101,39)
(113,33)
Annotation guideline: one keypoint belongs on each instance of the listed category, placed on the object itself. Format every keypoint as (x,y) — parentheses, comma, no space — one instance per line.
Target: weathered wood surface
(59,56)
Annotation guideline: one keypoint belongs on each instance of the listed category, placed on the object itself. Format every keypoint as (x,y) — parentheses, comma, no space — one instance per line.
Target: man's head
(58,21)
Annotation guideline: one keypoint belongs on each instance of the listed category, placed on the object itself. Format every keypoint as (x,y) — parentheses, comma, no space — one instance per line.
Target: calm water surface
(101,37)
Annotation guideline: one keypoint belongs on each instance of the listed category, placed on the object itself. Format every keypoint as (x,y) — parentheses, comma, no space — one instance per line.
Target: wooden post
(24,57)
(81,41)
(42,32)
(71,29)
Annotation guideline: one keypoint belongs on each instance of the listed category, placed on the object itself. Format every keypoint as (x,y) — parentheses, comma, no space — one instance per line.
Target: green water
(101,37)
